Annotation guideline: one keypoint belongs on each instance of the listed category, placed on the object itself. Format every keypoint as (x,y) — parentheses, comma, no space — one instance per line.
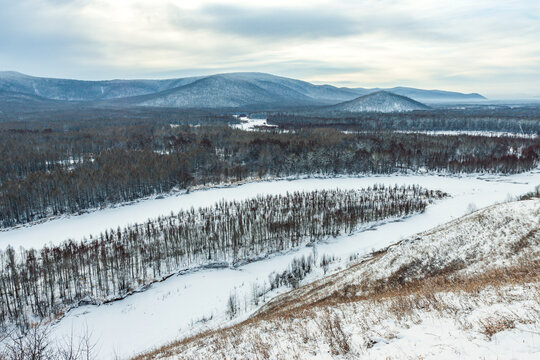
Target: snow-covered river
(172,308)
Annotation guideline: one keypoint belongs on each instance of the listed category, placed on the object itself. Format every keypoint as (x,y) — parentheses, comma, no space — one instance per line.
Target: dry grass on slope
(465,281)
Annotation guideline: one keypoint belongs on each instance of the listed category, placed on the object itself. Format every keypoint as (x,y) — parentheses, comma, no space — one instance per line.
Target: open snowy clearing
(250,124)
(196,300)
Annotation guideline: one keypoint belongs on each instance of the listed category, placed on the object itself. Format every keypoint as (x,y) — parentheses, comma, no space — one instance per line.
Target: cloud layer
(489,46)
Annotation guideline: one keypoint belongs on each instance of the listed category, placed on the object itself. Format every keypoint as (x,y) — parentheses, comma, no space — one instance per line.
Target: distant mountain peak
(380,101)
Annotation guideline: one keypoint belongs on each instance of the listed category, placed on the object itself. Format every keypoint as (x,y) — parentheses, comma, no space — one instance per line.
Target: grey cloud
(270,22)
(276,24)
(32,42)
(295,69)
(56,38)
(307,68)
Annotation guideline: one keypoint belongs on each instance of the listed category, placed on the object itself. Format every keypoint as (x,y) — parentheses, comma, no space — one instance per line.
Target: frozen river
(174,307)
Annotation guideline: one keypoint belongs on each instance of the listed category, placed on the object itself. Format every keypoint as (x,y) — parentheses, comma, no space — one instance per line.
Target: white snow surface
(250,124)
(423,334)
(173,308)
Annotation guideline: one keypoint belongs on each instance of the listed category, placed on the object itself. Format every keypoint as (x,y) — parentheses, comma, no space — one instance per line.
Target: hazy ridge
(231,90)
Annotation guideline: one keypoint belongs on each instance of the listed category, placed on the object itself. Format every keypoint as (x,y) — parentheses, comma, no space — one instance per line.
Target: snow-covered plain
(174,307)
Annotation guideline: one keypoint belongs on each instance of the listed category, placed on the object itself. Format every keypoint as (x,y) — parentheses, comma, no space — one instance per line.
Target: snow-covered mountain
(78,90)
(224,91)
(214,91)
(380,101)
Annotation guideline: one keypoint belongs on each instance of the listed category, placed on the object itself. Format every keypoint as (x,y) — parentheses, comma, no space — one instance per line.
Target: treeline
(50,170)
(37,284)
(512,121)
(74,112)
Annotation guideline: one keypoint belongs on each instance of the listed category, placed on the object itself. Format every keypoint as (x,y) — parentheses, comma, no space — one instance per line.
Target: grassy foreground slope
(467,289)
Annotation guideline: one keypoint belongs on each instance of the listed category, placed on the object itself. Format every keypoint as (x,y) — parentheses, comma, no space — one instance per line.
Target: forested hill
(381,102)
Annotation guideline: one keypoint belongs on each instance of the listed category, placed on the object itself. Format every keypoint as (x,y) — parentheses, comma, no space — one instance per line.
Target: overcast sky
(491,47)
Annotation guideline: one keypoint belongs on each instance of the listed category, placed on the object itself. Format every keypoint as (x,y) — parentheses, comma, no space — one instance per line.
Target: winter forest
(59,167)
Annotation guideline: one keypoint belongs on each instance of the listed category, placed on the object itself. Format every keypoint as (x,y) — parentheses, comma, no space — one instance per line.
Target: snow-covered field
(174,307)
(251,124)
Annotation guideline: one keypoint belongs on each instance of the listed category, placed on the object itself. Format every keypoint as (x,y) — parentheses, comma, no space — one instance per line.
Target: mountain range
(232,90)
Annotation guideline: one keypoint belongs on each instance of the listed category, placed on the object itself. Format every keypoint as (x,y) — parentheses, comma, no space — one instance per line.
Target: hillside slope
(466,289)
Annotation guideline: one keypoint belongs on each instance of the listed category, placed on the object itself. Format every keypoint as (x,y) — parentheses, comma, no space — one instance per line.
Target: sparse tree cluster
(36,344)
(297,271)
(37,284)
